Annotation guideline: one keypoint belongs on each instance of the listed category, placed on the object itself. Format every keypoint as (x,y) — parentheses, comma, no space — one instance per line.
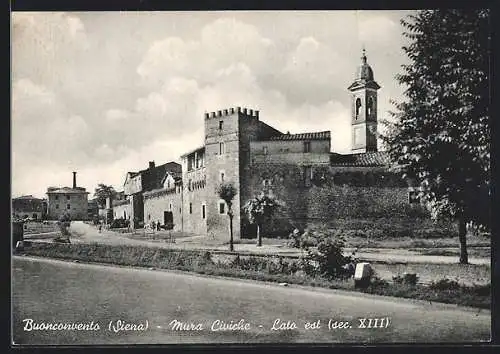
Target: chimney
(74,179)
(151,165)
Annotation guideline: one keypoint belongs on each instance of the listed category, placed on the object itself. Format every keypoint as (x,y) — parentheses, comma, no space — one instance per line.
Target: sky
(103,93)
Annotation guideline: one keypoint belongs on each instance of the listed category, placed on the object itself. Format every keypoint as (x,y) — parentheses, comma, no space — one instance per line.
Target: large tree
(102,192)
(439,136)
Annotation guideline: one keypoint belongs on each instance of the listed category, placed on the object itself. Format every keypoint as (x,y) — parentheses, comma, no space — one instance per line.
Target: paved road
(51,291)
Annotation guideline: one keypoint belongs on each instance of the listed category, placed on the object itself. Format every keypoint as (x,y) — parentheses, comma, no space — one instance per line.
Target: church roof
(367,159)
(324,135)
(364,76)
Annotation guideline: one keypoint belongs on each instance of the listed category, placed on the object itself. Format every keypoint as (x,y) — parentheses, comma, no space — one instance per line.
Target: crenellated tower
(364,109)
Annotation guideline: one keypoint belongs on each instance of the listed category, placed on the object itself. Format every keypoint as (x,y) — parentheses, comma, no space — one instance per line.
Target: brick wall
(339,197)
(228,163)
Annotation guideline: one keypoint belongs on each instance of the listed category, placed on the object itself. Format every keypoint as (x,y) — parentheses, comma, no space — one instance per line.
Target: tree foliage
(440,135)
(227,192)
(102,192)
(260,207)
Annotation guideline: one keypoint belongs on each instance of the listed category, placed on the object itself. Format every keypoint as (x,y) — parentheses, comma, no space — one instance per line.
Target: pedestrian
(158,226)
(100,227)
(153,225)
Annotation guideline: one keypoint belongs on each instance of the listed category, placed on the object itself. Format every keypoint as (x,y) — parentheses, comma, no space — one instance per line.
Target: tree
(227,192)
(258,209)
(102,192)
(440,136)
(64,222)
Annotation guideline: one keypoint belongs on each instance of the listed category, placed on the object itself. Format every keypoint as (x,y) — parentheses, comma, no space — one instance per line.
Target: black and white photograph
(249,177)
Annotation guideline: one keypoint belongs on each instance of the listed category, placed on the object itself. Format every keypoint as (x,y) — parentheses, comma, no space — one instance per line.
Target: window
(189,185)
(358,106)
(222,207)
(170,207)
(203,211)
(221,148)
(264,150)
(57,197)
(307,146)
(190,163)
(68,206)
(221,124)
(57,206)
(68,197)
(190,208)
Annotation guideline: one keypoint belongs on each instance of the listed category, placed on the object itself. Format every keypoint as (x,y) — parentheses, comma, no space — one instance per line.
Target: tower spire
(363,57)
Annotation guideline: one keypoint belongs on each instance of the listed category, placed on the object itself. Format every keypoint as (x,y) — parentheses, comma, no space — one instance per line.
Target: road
(49,291)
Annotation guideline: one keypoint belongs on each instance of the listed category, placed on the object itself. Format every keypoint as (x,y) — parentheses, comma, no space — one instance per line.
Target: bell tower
(364,109)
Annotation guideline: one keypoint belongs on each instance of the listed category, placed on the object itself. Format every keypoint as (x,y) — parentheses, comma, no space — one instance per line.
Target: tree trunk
(462,232)
(259,237)
(231,246)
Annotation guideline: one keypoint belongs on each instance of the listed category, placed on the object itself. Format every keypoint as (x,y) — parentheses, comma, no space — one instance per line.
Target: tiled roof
(152,178)
(26,197)
(68,190)
(303,136)
(367,159)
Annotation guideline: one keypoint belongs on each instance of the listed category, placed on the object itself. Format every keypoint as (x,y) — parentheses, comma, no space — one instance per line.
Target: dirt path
(84,233)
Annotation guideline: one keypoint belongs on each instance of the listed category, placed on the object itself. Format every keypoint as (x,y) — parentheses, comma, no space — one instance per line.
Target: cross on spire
(363,58)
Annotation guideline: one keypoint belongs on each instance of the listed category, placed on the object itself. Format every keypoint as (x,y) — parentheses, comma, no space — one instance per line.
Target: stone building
(27,206)
(315,184)
(137,184)
(73,201)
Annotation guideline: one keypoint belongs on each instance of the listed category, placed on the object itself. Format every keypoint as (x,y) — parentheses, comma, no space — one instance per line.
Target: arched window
(370,106)
(358,106)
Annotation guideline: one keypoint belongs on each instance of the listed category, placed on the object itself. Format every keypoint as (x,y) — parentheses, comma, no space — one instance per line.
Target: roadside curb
(317,289)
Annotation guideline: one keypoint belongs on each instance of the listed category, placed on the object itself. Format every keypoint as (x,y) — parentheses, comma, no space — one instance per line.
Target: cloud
(43,128)
(221,43)
(376,29)
(53,39)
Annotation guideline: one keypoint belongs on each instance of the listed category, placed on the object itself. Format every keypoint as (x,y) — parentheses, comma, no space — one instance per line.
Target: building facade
(28,207)
(314,184)
(140,187)
(73,201)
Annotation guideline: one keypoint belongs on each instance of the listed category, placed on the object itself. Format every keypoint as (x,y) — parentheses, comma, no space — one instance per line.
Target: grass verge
(273,269)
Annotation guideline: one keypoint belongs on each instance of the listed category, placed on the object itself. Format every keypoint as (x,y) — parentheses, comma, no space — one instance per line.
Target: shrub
(407,278)
(205,259)
(328,258)
(445,284)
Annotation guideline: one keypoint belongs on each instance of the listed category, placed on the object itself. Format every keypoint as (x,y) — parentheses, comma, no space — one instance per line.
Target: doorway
(168,218)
